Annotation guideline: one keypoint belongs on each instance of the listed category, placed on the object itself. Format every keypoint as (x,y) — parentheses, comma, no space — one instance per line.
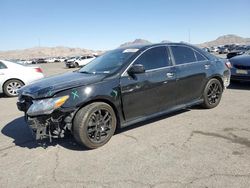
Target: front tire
(11,86)
(212,93)
(76,65)
(94,125)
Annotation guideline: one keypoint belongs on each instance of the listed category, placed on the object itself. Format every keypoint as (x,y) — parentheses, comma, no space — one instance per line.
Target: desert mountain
(136,41)
(42,52)
(222,40)
(165,41)
(226,39)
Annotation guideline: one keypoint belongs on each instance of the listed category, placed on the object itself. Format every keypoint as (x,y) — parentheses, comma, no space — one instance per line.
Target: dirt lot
(191,148)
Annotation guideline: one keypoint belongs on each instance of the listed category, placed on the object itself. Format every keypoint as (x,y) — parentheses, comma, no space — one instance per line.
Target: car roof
(144,46)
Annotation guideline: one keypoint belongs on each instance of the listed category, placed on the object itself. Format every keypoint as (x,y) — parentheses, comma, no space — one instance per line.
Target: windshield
(108,63)
(73,58)
(19,62)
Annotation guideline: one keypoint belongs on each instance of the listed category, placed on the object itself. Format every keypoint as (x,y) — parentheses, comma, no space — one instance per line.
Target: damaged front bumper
(50,126)
(53,125)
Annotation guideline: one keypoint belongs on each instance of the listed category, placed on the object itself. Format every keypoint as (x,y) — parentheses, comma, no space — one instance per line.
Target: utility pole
(39,44)
(189,36)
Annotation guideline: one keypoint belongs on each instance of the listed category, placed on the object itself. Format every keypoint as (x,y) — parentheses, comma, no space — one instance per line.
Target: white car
(50,60)
(26,62)
(14,75)
(84,60)
(60,59)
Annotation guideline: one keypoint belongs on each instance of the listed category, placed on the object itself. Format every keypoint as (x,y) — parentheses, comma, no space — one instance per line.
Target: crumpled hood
(47,87)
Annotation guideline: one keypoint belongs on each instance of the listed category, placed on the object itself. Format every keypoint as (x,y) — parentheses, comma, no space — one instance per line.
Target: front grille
(243,67)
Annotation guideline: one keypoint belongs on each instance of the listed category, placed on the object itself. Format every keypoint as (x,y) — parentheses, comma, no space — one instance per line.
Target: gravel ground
(190,148)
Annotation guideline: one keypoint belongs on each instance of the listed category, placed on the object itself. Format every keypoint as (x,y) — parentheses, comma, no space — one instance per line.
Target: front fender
(103,91)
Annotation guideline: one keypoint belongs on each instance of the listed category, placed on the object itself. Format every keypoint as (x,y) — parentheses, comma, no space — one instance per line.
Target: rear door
(149,92)
(191,68)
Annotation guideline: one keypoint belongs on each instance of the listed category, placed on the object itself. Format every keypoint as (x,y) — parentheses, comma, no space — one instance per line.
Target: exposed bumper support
(50,126)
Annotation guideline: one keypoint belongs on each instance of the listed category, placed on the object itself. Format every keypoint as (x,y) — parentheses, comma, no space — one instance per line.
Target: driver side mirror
(136,69)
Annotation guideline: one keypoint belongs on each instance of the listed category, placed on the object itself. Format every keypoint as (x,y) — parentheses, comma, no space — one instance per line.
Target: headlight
(46,106)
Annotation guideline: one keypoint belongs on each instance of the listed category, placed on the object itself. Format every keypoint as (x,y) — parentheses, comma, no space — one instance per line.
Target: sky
(105,24)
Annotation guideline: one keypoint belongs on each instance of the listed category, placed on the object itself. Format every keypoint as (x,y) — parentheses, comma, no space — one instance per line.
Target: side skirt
(173,109)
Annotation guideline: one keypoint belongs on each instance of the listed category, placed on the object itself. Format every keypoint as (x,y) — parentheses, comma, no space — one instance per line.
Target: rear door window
(183,54)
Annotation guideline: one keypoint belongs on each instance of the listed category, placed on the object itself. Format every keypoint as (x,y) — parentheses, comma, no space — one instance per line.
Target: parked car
(84,60)
(60,59)
(51,60)
(206,49)
(234,53)
(14,75)
(241,67)
(223,50)
(26,62)
(38,61)
(70,63)
(214,49)
(122,87)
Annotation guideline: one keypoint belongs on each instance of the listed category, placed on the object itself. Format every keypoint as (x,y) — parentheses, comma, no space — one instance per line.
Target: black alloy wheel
(99,125)
(94,125)
(212,93)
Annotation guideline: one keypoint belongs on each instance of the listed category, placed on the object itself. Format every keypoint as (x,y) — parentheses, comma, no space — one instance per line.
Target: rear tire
(11,86)
(94,125)
(212,94)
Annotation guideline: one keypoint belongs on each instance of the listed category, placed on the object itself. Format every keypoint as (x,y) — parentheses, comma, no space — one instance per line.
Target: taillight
(228,64)
(38,70)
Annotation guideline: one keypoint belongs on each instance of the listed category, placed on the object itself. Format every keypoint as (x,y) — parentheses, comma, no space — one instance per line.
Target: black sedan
(241,67)
(123,87)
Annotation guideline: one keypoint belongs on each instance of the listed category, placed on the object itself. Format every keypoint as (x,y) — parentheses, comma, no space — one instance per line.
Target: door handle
(207,66)
(170,75)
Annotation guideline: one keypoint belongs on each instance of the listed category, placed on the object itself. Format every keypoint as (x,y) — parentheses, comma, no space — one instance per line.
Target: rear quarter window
(199,57)
(2,65)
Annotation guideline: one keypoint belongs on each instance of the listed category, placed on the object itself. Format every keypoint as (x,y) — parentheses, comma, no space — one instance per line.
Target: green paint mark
(49,93)
(114,93)
(75,94)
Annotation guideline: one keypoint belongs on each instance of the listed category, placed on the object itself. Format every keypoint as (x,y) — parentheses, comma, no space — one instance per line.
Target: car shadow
(239,85)
(22,136)
(2,95)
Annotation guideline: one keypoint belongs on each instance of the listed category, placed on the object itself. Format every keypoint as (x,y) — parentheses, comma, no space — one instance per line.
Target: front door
(148,93)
